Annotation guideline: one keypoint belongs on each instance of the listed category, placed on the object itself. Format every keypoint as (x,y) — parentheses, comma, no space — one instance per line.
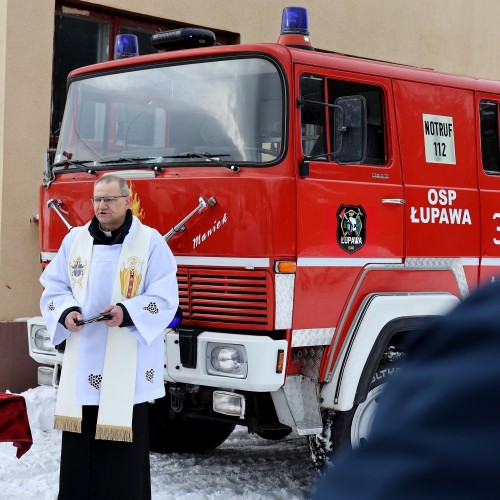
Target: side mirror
(48,160)
(349,135)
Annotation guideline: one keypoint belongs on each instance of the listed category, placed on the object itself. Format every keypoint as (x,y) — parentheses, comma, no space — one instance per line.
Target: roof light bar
(184,38)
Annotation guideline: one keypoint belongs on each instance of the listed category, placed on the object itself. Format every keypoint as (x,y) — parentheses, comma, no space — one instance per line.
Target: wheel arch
(397,326)
(380,317)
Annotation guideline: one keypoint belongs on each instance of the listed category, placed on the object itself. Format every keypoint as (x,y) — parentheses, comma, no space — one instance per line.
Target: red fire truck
(320,206)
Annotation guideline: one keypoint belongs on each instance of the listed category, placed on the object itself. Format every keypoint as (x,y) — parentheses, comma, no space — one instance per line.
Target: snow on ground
(245,466)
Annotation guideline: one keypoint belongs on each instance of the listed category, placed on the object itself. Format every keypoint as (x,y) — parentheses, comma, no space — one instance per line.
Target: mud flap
(297,405)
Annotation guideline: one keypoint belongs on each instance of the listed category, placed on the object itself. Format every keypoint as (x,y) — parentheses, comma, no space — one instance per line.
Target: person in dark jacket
(436,433)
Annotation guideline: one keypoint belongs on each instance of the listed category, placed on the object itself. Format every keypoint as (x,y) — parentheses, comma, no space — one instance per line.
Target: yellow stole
(116,403)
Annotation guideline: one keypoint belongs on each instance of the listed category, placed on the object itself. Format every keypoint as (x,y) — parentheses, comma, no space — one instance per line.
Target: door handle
(394,201)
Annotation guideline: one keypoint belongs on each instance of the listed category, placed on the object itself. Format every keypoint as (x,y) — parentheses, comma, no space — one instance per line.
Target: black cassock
(95,469)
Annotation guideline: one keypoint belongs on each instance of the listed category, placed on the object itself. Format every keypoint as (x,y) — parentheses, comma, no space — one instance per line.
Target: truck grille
(226,298)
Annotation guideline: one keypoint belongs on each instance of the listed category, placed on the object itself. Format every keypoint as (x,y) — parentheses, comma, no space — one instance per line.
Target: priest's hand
(116,313)
(71,319)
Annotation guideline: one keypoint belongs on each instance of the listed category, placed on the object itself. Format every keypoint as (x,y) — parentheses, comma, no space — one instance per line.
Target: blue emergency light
(295,28)
(126,46)
(294,21)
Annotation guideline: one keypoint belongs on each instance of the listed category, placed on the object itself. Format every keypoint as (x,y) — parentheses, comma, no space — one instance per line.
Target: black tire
(184,436)
(350,428)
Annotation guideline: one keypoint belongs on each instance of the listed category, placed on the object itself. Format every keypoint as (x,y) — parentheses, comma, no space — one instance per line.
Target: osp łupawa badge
(351,227)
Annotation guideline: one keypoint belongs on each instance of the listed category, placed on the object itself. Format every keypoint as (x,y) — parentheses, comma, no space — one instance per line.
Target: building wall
(3,46)
(25,74)
(449,35)
(457,36)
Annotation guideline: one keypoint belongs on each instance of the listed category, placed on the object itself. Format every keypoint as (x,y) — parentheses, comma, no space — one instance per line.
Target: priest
(110,293)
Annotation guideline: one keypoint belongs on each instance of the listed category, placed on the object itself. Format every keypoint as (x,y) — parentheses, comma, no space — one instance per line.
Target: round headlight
(228,359)
(42,339)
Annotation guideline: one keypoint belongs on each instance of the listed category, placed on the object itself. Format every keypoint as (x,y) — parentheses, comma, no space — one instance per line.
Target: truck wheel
(349,428)
(184,436)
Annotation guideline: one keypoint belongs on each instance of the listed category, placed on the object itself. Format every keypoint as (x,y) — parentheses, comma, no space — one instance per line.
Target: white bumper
(262,355)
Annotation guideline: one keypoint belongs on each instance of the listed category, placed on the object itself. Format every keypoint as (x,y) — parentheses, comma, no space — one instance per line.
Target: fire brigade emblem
(77,271)
(351,227)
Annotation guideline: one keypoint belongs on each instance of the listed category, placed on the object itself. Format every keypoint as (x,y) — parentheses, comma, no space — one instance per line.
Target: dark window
(313,116)
(375,141)
(316,127)
(488,115)
(78,41)
(88,37)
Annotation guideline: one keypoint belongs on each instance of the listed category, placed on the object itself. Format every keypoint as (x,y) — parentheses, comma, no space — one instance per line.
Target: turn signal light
(280,361)
(285,266)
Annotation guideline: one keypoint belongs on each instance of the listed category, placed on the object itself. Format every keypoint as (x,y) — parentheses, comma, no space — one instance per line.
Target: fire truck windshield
(183,113)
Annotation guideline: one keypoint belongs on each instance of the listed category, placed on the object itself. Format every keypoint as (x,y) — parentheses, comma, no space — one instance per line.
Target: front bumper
(262,354)
(264,370)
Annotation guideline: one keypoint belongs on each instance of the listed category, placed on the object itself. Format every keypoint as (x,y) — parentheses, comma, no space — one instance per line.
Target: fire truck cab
(320,206)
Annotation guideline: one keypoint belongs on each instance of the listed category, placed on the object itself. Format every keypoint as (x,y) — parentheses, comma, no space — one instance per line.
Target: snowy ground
(245,466)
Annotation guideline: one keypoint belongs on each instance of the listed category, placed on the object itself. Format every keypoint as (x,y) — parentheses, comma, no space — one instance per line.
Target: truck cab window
(312,116)
(231,107)
(490,147)
(317,119)
(375,154)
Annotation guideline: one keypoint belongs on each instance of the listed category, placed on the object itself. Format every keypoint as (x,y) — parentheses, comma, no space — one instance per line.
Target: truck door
(489,184)
(349,215)
(437,139)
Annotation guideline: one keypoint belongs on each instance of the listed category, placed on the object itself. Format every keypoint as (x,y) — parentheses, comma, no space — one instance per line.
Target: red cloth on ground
(14,423)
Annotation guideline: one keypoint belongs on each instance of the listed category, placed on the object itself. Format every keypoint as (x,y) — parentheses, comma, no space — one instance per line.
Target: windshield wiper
(71,162)
(211,157)
(100,164)
(140,162)
(152,162)
(75,163)
(128,159)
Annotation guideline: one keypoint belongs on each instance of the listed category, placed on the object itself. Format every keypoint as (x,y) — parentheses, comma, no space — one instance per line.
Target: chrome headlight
(227,360)
(41,339)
